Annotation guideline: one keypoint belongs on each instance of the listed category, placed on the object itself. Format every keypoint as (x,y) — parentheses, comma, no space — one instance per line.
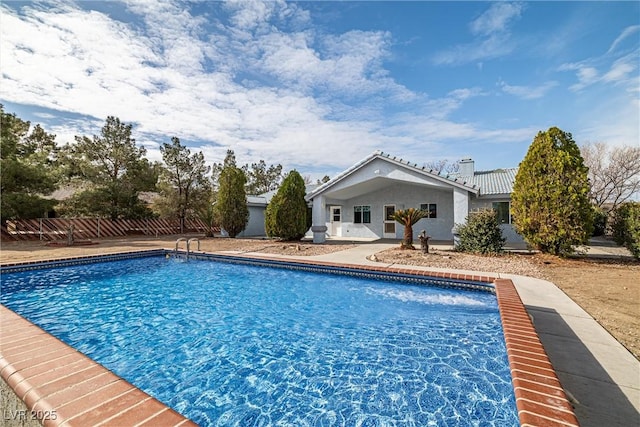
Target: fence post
(98,227)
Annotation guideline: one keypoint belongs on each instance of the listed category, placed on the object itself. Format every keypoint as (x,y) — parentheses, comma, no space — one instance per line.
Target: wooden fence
(87,228)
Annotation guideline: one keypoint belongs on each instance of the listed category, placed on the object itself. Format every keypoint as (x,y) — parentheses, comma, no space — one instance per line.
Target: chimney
(466,167)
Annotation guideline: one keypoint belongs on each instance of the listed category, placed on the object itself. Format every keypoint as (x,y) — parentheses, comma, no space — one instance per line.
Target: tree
(324,180)
(184,186)
(614,173)
(550,199)
(230,208)
(286,215)
(408,218)
(261,179)
(114,172)
(481,233)
(626,227)
(439,166)
(28,168)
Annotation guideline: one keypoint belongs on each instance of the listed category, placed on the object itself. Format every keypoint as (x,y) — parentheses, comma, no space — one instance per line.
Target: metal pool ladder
(178,242)
(188,244)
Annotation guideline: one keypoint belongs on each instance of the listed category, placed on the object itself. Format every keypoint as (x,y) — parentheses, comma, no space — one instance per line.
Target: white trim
(386,222)
(455,182)
(335,228)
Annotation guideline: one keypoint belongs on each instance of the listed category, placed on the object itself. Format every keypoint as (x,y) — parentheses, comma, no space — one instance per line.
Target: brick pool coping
(62,387)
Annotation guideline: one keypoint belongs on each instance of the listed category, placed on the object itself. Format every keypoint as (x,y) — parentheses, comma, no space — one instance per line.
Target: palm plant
(408,218)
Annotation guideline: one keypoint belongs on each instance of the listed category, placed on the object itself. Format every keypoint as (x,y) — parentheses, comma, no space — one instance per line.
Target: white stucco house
(359,201)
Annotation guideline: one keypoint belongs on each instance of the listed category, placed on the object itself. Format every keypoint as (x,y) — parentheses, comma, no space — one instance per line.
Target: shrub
(481,233)
(599,221)
(550,199)
(231,209)
(626,227)
(286,215)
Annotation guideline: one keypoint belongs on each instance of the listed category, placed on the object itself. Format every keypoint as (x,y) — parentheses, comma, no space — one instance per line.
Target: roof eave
(381,155)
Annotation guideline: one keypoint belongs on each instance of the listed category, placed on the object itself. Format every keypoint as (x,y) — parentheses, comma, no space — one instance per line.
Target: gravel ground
(524,265)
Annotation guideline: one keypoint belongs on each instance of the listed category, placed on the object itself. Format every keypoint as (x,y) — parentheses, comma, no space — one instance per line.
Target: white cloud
(496,19)
(621,69)
(625,33)
(441,108)
(494,46)
(294,97)
(619,72)
(493,36)
(528,92)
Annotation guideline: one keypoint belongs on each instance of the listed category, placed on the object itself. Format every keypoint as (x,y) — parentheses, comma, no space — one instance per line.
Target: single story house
(359,202)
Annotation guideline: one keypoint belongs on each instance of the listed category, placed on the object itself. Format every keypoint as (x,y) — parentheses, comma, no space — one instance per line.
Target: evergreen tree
(114,171)
(550,200)
(261,178)
(626,227)
(184,187)
(28,168)
(230,208)
(286,215)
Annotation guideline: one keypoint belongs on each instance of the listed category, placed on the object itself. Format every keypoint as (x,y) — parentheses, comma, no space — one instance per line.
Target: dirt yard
(606,286)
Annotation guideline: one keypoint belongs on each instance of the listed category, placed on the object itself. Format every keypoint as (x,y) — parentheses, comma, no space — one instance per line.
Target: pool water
(228,344)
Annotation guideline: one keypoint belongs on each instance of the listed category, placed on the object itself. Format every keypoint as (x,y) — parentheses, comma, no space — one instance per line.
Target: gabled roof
(498,181)
(455,181)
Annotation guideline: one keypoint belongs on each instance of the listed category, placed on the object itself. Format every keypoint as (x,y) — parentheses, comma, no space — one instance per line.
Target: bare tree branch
(444,165)
(614,173)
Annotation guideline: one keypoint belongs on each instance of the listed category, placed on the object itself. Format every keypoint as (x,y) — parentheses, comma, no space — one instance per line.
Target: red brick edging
(540,398)
(61,386)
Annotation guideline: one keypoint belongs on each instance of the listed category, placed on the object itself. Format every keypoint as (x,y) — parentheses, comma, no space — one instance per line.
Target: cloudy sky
(317,86)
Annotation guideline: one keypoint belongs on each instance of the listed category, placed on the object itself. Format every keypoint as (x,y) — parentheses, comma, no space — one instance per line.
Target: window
(336,214)
(502,209)
(362,214)
(432,208)
(388,212)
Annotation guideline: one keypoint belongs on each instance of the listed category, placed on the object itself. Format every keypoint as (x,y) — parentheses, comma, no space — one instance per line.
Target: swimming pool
(226,343)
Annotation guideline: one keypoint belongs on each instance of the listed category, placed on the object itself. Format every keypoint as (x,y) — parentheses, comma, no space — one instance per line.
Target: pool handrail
(178,242)
(189,244)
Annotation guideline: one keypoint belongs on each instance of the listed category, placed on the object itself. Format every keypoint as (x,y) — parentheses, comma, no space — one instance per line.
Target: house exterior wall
(508,232)
(255,226)
(403,196)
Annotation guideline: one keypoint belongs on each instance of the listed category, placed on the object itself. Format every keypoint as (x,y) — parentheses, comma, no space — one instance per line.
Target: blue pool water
(228,344)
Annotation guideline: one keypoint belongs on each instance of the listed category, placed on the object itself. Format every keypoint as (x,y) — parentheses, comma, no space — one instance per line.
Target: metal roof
(499,181)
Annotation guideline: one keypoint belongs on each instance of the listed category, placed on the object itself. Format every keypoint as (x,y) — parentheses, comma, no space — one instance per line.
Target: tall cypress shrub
(286,215)
(550,199)
(231,209)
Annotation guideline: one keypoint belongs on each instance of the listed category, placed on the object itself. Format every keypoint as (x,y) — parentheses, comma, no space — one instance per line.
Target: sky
(318,86)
